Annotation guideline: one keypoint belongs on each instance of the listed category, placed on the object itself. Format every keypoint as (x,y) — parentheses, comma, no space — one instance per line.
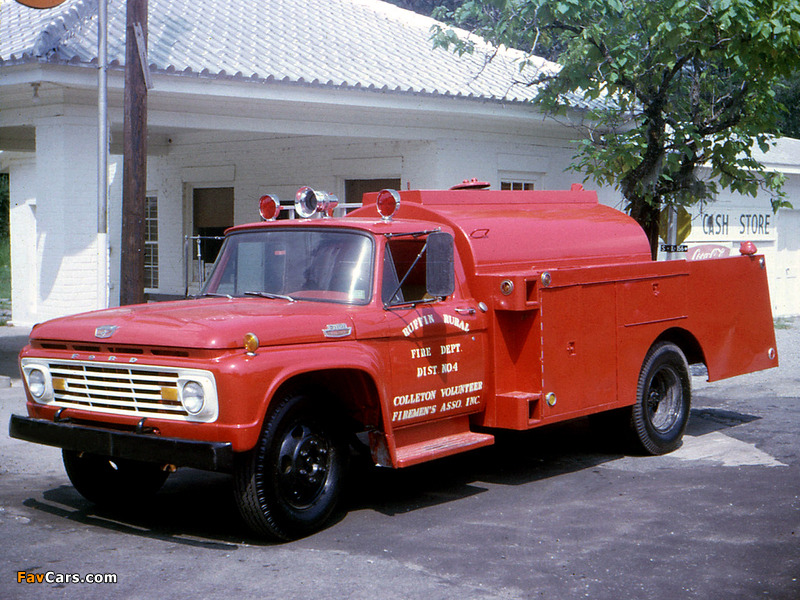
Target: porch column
(66,215)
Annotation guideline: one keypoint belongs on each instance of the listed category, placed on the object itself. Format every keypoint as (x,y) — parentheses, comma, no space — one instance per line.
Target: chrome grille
(120,389)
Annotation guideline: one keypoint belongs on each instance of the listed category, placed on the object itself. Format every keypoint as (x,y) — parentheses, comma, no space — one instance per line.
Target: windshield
(311,264)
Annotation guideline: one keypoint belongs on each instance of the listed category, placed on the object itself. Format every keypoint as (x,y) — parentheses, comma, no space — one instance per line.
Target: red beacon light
(308,202)
(269,207)
(388,204)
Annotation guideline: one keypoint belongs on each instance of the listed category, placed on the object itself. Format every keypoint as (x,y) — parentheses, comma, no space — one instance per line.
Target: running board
(440,447)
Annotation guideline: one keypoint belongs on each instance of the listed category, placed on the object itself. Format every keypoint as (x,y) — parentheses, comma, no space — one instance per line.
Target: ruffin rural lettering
(417,324)
(423,320)
(451,320)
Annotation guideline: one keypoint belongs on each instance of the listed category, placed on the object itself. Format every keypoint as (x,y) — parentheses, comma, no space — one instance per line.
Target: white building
(255,97)
(720,227)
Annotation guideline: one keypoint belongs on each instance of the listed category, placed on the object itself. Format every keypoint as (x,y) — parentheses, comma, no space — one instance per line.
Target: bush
(5,249)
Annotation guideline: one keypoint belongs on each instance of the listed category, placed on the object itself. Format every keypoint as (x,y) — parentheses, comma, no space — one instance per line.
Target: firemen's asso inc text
(60,578)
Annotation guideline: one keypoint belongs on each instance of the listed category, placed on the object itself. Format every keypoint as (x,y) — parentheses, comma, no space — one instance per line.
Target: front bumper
(208,456)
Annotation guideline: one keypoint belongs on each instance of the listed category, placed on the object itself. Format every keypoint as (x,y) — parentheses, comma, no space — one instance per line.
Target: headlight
(193,397)
(38,379)
(37,383)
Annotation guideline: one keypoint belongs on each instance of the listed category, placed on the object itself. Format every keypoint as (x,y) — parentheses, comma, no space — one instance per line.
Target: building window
(151,242)
(517,185)
(354,189)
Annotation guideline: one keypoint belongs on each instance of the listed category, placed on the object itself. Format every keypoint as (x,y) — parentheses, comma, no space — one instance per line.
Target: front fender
(246,385)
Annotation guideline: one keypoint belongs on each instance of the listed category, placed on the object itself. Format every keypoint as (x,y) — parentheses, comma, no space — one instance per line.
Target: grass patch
(784,322)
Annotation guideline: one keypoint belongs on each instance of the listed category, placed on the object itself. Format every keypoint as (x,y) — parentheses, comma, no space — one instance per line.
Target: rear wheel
(113,481)
(663,399)
(289,485)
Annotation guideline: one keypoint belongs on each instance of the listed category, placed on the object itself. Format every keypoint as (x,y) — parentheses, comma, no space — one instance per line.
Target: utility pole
(102,154)
(134,172)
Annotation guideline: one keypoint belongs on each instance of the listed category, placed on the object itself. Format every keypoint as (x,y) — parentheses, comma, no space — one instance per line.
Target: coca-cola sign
(706,251)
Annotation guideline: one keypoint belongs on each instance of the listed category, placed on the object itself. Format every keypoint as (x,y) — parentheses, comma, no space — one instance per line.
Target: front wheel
(289,485)
(663,399)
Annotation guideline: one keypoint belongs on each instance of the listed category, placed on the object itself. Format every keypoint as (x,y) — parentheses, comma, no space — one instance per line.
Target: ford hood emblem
(105,331)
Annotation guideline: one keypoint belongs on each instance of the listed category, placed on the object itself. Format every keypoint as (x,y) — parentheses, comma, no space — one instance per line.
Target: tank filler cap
(471,184)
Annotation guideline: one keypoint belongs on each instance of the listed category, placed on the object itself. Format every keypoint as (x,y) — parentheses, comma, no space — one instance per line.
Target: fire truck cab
(417,326)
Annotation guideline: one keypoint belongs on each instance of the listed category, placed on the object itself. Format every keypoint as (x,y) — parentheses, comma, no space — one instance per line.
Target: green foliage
(788,94)
(5,254)
(658,89)
(4,200)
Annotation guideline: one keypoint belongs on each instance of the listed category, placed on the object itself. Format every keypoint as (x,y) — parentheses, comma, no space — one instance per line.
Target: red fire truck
(417,327)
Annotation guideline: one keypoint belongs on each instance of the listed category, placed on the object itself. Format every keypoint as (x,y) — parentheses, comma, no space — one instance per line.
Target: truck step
(518,410)
(413,454)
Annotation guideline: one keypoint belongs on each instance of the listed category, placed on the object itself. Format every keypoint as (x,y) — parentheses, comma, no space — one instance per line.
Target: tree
(789,95)
(659,89)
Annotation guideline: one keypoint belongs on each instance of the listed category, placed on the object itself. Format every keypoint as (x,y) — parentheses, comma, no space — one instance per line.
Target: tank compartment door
(579,349)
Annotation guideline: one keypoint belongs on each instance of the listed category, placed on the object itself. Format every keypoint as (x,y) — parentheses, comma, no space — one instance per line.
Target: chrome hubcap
(664,399)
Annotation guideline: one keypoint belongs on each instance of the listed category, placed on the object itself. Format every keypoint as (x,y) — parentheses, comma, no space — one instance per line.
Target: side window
(151,242)
(399,264)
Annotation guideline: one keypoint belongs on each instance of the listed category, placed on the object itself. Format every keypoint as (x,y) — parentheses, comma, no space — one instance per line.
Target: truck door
(436,350)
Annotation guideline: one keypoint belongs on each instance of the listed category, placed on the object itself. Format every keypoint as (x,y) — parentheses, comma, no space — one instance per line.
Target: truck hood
(210,323)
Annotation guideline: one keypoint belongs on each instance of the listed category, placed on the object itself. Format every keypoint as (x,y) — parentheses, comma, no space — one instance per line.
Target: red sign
(41,3)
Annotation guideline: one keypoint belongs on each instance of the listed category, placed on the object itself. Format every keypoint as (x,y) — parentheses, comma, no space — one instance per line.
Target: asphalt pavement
(555,513)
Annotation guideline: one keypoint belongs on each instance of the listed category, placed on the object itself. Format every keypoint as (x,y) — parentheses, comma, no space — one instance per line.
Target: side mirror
(440,278)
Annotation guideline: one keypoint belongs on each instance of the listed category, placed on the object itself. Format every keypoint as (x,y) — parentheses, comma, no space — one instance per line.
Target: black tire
(289,485)
(112,481)
(663,399)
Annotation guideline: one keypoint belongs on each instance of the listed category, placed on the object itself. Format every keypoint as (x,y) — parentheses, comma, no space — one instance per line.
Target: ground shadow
(198,509)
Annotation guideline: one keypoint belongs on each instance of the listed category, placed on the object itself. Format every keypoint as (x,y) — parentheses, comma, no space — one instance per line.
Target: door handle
(465,311)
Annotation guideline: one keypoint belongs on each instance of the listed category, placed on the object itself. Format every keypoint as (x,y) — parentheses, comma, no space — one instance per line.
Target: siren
(308,202)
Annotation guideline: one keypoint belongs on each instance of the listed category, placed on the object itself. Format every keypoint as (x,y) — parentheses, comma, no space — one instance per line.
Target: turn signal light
(251,343)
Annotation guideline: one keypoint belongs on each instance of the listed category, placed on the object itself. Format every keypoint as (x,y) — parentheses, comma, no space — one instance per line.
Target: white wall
(54,220)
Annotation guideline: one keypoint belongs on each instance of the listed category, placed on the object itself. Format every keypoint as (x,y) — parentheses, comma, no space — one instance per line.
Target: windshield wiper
(213,295)
(271,296)
(408,303)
